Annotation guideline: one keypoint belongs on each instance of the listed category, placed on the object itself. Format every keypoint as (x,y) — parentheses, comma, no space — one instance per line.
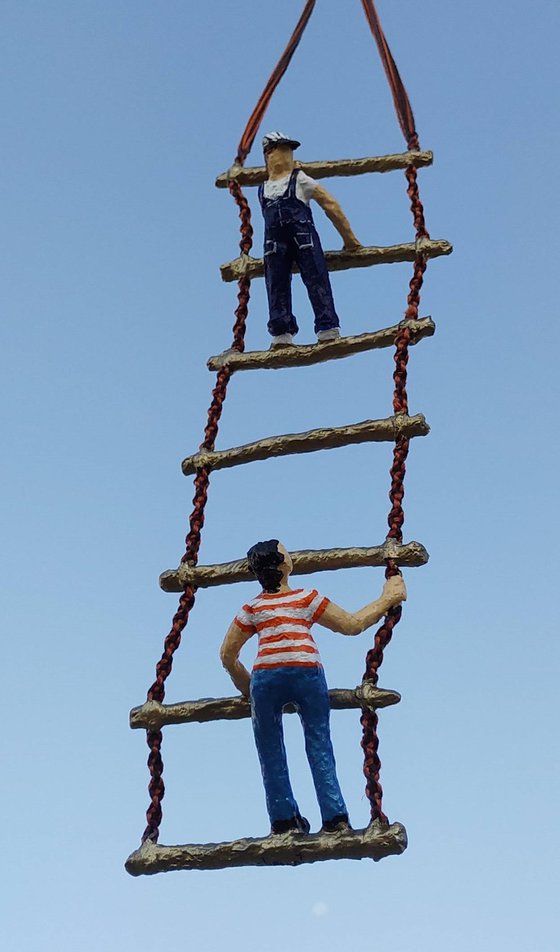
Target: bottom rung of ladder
(288,849)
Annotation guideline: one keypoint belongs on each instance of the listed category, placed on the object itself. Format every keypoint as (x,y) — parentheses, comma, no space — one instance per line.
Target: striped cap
(272,139)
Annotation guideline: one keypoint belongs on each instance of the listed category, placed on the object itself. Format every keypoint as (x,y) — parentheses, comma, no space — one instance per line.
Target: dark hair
(263,559)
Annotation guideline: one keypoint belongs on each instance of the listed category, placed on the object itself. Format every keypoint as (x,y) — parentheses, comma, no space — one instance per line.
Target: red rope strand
(156,787)
(374,659)
(400,95)
(257,115)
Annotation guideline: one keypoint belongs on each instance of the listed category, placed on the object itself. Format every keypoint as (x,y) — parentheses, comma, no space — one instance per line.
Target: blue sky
(117,117)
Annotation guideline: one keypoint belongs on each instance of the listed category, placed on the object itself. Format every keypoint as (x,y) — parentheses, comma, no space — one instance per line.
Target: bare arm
(346,623)
(229,655)
(334,212)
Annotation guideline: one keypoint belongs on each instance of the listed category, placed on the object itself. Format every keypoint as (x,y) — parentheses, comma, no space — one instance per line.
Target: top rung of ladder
(330,168)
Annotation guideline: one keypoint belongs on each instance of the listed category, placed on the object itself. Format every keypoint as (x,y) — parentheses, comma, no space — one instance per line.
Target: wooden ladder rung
(303,355)
(306,562)
(288,849)
(326,438)
(152,715)
(246,266)
(330,168)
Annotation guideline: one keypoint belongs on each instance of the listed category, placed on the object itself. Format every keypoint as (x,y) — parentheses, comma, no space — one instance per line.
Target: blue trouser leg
(307,688)
(311,260)
(314,709)
(268,696)
(278,259)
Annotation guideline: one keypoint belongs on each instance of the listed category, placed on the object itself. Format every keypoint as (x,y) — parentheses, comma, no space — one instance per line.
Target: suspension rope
(257,115)
(154,738)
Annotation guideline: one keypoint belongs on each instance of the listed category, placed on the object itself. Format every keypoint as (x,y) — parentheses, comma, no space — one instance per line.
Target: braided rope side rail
(395,519)
(154,738)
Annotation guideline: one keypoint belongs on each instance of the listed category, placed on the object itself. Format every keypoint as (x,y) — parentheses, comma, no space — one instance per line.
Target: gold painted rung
(306,562)
(153,716)
(304,355)
(326,438)
(287,849)
(254,175)
(246,266)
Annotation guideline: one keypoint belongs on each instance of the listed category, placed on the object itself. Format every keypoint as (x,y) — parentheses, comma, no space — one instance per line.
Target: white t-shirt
(305,186)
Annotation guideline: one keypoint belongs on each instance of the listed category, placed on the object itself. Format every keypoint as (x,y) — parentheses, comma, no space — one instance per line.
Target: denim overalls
(290,236)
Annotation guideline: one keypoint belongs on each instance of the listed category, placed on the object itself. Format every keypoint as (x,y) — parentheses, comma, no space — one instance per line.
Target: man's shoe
(296,824)
(332,333)
(282,340)
(284,826)
(303,823)
(338,824)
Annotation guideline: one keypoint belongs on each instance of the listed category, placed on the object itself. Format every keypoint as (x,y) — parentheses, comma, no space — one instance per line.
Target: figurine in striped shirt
(288,670)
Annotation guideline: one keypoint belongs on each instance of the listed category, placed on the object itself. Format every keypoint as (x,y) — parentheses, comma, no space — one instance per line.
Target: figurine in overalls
(288,670)
(290,237)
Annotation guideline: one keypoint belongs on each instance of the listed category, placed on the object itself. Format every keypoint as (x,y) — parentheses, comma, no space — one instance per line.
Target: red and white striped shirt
(283,621)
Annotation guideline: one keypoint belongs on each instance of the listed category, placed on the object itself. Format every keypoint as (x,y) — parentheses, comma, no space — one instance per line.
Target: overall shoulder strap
(291,192)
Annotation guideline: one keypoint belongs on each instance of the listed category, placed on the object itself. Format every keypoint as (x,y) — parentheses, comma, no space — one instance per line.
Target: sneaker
(332,333)
(283,340)
(296,824)
(339,824)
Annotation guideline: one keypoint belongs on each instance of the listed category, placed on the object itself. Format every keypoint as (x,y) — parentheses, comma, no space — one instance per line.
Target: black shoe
(338,824)
(303,824)
(296,824)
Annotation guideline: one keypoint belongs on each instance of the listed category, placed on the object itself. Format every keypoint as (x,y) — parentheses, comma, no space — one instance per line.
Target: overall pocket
(304,239)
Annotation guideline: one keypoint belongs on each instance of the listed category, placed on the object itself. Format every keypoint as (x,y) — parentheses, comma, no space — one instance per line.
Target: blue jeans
(307,689)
